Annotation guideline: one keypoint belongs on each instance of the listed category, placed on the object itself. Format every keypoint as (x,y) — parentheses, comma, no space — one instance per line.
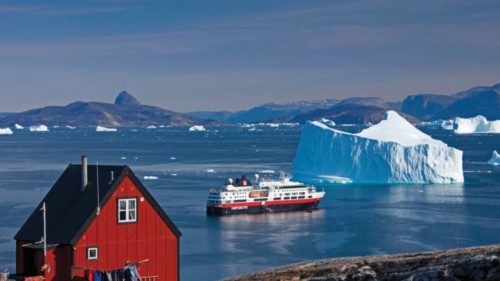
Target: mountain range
(481,100)
(125,111)
(128,111)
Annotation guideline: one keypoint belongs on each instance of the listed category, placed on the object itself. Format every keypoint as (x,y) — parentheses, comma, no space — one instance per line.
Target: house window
(127,210)
(92,253)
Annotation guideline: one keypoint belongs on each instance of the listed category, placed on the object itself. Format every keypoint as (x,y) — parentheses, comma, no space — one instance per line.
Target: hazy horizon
(233,55)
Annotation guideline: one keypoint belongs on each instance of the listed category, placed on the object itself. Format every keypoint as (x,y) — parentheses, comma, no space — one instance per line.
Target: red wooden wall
(59,259)
(148,238)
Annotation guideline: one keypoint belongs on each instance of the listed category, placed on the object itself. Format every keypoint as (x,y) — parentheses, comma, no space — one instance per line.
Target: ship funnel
(85,175)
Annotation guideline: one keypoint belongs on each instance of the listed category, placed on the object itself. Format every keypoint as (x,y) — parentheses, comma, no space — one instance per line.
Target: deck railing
(149,278)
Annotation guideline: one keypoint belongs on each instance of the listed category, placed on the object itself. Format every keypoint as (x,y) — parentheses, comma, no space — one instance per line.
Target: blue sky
(213,55)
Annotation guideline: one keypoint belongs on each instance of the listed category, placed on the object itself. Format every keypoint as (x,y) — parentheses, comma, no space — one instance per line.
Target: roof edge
(38,206)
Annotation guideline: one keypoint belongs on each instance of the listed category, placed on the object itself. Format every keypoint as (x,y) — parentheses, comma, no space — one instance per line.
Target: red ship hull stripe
(269,203)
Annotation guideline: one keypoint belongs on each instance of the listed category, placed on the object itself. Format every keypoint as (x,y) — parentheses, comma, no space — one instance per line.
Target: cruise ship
(240,196)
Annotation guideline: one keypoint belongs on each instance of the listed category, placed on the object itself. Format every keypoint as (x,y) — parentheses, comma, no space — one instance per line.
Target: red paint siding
(59,260)
(148,238)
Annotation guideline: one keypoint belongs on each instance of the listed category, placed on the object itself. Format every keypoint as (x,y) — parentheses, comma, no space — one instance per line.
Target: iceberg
(6,131)
(151,127)
(438,124)
(197,128)
(150,177)
(70,127)
(476,125)
(495,158)
(392,151)
(18,127)
(328,122)
(39,128)
(105,129)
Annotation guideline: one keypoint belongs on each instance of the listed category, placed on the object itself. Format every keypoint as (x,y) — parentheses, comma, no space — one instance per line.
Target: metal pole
(44,232)
(97,182)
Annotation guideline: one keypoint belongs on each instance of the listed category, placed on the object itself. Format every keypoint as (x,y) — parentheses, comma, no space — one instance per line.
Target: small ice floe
(151,127)
(174,175)
(272,125)
(18,127)
(267,172)
(197,128)
(495,158)
(6,131)
(70,127)
(105,129)
(123,158)
(55,127)
(290,124)
(150,178)
(134,130)
(210,171)
(253,129)
(39,128)
(247,125)
(172,158)
(135,158)
(327,122)
(162,126)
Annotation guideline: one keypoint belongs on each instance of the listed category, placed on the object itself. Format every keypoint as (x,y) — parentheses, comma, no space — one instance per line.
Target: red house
(98,218)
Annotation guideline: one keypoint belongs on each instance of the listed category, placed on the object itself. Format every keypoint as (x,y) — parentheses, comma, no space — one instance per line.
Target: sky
(232,55)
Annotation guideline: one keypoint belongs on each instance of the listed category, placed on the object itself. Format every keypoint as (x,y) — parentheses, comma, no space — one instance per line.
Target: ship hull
(293,207)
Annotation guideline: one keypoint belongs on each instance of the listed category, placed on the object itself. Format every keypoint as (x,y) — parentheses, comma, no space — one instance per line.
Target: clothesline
(127,263)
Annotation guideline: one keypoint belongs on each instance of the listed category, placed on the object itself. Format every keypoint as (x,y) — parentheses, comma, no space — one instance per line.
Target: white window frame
(92,258)
(127,210)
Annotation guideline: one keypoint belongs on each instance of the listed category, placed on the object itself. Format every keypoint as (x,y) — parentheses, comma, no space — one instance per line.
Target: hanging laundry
(97,276)
(89,275)
(131,273)
(109,275)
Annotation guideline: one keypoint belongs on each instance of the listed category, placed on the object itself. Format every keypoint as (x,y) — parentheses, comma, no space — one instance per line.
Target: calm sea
(353,220)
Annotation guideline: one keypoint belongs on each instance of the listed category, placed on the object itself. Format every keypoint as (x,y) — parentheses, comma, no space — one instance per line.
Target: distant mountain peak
(124,98)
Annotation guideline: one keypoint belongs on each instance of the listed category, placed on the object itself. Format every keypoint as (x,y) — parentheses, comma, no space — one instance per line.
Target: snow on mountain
(495,158)
(105,129)
(197,128)
(476,125)
(39,128)
(392,151)
(6,131)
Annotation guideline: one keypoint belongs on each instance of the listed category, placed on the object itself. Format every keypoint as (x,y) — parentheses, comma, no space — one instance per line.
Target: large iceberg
(392,151)
(495,158)
(39,128)
(476,125)
(6,131)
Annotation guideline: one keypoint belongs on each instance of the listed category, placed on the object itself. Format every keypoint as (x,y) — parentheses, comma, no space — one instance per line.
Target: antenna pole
(44,209)
(97,182)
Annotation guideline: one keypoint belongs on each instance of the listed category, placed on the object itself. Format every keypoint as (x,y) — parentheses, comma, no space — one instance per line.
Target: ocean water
(353,220)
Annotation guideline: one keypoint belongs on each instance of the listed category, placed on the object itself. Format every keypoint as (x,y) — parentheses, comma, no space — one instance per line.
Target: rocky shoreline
(477,263)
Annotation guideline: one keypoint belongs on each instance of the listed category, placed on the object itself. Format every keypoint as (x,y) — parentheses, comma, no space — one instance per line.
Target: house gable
(151,238)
